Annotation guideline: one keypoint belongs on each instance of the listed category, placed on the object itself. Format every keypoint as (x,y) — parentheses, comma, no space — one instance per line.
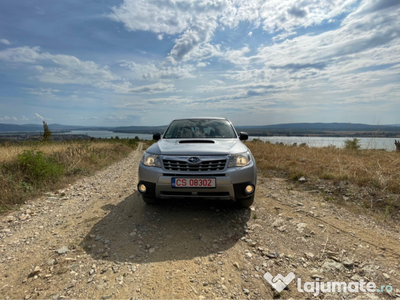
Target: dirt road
(97,239)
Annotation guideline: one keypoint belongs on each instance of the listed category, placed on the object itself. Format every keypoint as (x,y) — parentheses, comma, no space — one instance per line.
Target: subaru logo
(194,160)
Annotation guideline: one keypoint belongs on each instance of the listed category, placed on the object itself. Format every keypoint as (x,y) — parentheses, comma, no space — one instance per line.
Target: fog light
(249,189)
(142,188)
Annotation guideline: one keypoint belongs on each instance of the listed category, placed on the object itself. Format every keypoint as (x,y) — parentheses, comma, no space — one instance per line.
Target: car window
(200,128)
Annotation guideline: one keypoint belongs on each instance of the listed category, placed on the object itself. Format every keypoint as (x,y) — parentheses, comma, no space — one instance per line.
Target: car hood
(197,147)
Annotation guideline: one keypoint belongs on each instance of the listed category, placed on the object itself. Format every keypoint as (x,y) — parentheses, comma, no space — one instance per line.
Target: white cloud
(237,56)
(204,52)
(196,20)
(73,70)
(8,119)
(20,54)
(193,37)
(122,117)
(39,116)
(152,71)
(283,36)
(42,91)
(361,42)
(370,6)
(286,15)
(248,54)
(59,69)
(156,88)
(213,85)
(237,91)
(5,42)
(80,118)
(296,65)
(201,65)
(150,15)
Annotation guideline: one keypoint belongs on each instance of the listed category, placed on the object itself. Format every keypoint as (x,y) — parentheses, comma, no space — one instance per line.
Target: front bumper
(230,183)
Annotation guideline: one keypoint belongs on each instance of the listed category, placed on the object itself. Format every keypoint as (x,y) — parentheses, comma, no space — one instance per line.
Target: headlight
(239,160)
(151,160)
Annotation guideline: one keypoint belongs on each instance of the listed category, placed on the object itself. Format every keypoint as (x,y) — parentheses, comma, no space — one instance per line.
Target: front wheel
(246,203)
(149,200)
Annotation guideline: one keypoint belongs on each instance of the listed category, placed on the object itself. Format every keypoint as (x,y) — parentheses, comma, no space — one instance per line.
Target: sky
(146,62)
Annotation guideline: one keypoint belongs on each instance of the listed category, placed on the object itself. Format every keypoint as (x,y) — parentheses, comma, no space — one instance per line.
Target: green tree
(353,144)
(46,133)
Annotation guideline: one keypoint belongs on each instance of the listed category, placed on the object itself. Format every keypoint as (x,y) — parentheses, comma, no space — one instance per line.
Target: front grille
(204,166)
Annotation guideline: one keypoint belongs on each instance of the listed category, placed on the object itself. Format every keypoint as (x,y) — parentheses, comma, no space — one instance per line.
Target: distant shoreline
(270,133)
(350,134)
(369,140)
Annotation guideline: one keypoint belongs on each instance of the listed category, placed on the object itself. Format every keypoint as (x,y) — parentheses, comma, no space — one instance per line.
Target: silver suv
(199,158)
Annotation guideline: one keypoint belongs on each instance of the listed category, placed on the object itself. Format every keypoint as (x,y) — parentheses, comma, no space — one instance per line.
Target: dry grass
(27,170)
(9,152)
(364,179)
(376,168)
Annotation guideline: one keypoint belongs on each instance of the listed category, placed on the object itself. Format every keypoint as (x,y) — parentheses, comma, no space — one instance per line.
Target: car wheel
(245,202)
(149,200)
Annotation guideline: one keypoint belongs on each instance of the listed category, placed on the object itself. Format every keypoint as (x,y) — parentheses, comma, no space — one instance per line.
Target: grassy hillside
(366,178)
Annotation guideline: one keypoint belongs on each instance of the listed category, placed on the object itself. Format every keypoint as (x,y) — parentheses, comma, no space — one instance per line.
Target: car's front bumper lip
(227,182)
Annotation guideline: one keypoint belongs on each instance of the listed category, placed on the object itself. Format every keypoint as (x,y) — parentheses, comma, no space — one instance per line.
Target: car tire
(245,203)
(149,200)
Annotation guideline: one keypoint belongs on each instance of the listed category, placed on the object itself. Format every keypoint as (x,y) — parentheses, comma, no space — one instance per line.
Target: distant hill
(53,127)
(326,126)
(289,129)
(22,128)
(323,129)
(140,129)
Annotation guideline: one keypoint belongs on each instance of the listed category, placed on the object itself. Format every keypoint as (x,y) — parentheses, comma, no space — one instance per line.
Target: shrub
(327,176)
(37,167)
(353,144)
(28,169)
(257,140)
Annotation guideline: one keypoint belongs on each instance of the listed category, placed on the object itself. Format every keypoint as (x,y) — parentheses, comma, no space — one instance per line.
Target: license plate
(193,182)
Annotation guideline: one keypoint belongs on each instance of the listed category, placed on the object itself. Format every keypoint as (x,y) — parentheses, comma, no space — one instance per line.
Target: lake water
(366,143)
(339,142)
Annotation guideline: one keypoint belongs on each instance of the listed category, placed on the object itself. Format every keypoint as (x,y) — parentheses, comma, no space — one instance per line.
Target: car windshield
(200,128)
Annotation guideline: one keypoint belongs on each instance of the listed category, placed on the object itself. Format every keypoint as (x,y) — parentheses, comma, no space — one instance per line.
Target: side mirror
(243,136)
(156,136)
